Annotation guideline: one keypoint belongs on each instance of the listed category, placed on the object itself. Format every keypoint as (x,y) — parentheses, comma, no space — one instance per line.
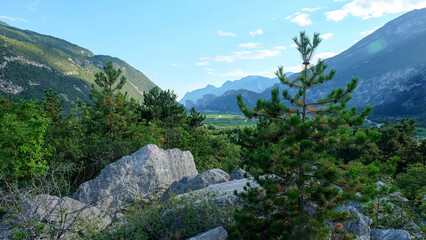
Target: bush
(177,218)
(413,182)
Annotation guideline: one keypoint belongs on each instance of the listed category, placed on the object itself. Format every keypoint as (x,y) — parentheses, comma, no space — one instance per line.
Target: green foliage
(23,150)
(214,152)
(195,119)
(52,105)
(109,78)
(398,140)
(162,105)
(292,154)
(108,127)
(181,130)
(178,218)
(413,182)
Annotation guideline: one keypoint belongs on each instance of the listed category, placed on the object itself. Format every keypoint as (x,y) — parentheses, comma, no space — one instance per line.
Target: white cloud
(302,20)
(274,18)
(311,9)
(258,54)
(323,55)
(256,32)
(242,73)
(174,65)
(366,33)
(314,61)
(248,45)
(222,33)
(280,47)
(326,36)
(293,45)
(367,9)
(291,15)
(13,19)
(336,15)
(294,69)
(204,63)
(204,58)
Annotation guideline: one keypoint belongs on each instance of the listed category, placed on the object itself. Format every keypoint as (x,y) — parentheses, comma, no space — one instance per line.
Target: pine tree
(109,121)
(109,78)
(289,154)
(195,119)
(161,106)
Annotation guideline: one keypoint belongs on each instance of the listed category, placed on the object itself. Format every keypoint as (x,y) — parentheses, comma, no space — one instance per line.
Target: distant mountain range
(253,83)
(390,64)
(31,62)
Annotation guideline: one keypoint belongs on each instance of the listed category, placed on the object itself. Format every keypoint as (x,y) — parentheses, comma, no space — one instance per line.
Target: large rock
(360,227)
(380,234)
(186,184)
(218,233)
(222,193)
(239,174)
(150,170)
(65,214)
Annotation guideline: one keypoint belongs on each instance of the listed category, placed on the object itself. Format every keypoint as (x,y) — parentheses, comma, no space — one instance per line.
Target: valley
(102,144)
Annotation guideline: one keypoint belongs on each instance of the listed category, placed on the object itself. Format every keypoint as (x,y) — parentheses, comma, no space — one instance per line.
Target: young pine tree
(289,154)
(110,122)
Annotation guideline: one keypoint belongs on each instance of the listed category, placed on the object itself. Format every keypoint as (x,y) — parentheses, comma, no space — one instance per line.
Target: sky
(184,45)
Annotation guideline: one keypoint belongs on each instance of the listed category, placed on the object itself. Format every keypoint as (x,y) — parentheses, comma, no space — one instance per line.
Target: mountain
(252,83)
(4,24)
(390,64)
(31,62)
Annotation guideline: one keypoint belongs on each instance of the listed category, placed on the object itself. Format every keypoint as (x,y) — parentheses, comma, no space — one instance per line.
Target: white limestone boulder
(150,170)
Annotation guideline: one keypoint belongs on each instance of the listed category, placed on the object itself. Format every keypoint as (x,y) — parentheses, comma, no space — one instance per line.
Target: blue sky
(184,45)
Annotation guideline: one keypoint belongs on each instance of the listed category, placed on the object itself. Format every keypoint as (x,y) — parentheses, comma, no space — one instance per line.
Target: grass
(228,120)
(236,120)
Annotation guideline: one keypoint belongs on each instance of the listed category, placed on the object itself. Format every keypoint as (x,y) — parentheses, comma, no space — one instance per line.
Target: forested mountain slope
(31,62)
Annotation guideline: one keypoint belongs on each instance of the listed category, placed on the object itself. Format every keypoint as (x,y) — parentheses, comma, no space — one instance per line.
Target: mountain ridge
(252,82)
(31,62)
(390,64)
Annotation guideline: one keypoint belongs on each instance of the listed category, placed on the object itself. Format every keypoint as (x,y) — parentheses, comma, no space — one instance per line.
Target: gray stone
(222,193)
(186,184)
(118,217)
(54,209)
(356,205)
(380,184)
(237,175)
(218,233)
(150,170)
(398,197)
(392,234)
(360,227)
(64,213)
